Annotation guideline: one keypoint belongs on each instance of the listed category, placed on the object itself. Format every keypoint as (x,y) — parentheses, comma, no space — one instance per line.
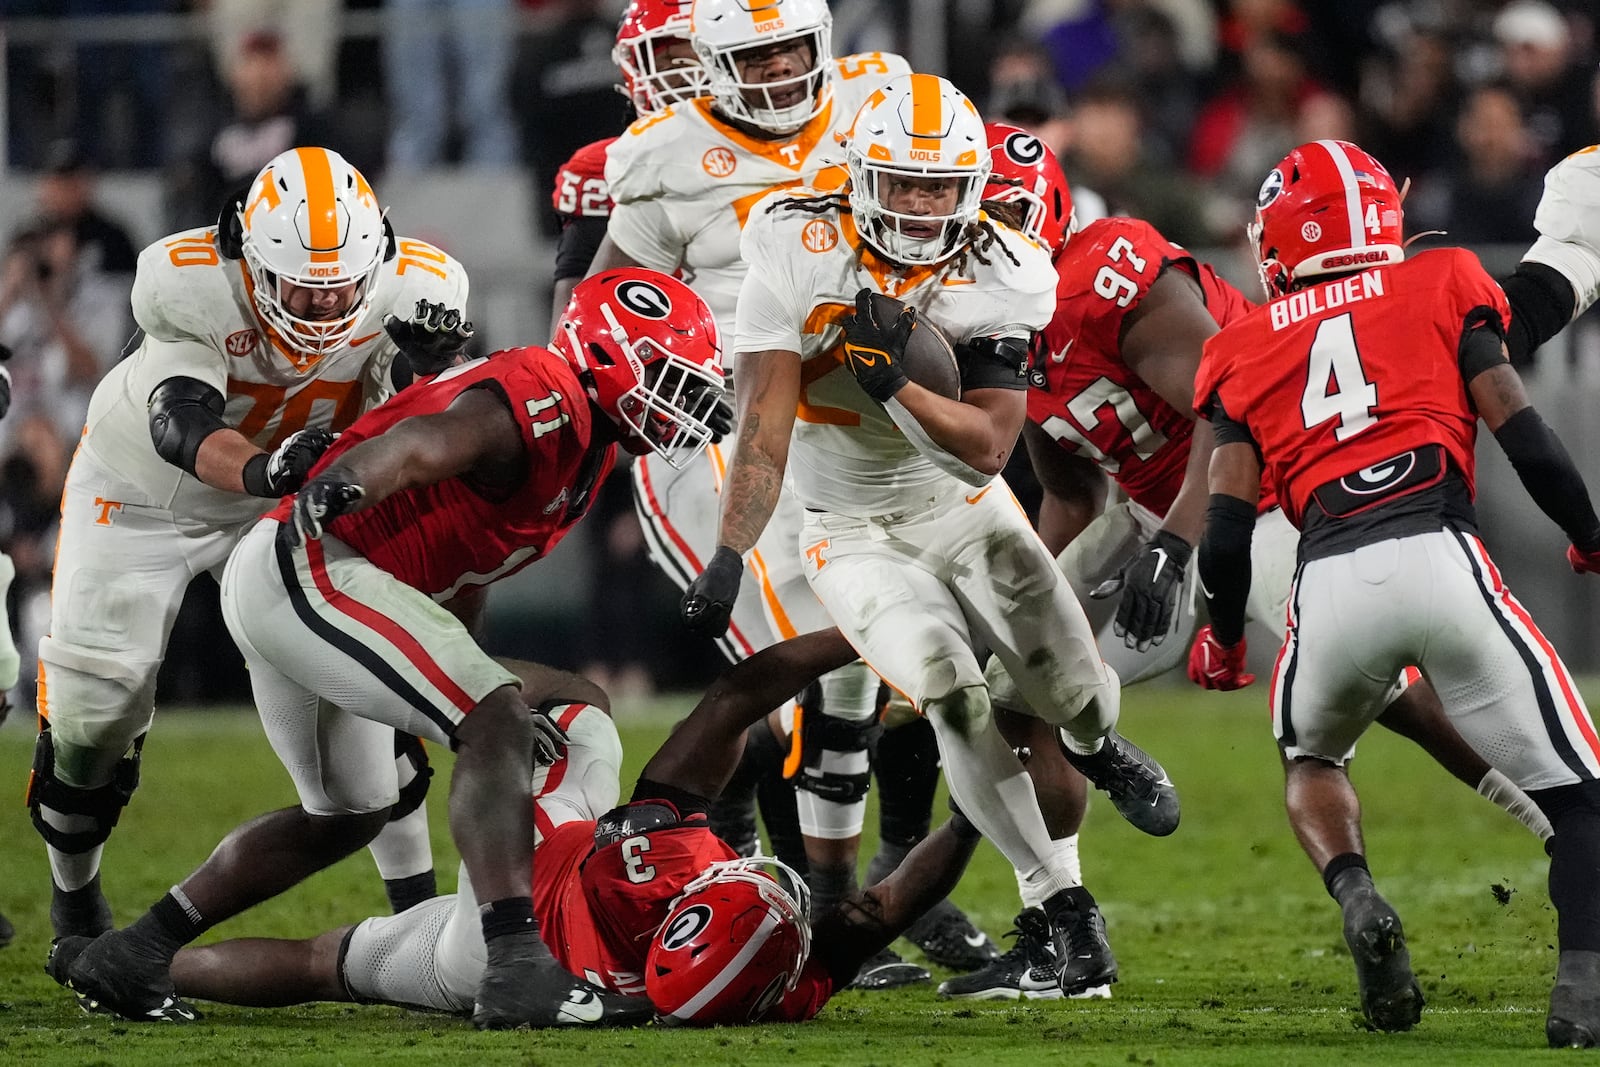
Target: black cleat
(1028,969)
(1137,785)
(1084,953)
(8,932)
(111,976)
(1574,1020)
(948,938)
(80,912)
(886,970)
(1390,997)
(540,994)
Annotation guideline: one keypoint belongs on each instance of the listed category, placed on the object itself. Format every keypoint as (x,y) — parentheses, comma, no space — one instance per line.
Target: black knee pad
(821,734)
(103,803)
(413,793)
(907,768)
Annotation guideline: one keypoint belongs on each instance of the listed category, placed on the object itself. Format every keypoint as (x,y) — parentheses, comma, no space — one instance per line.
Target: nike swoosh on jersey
(975,497)
(357,342)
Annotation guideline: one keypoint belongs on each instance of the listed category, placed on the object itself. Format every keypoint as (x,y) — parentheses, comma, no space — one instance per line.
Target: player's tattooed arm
(766,391)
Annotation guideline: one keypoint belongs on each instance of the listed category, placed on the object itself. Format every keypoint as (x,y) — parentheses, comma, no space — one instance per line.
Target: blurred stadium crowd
(1169,110)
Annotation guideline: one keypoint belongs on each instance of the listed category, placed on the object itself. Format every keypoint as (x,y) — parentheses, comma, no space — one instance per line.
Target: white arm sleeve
(946,461)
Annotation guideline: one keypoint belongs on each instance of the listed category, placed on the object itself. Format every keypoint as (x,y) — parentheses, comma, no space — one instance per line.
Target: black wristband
(254,475)
(512,915)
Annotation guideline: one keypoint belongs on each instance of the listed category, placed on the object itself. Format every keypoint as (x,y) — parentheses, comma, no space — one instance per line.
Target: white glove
(549,739)
(1568,221)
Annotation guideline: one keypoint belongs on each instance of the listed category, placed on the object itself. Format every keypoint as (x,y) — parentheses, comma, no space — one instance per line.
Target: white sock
(401,849)
(1506,793)
(1065,851)
(73,870)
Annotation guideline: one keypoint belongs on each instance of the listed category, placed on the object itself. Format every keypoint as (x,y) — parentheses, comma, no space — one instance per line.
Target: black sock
(907,768)
(1574,866)
(411,890)
(889,857)
(511,931)
(171,923)
(1347,876)
(828,886)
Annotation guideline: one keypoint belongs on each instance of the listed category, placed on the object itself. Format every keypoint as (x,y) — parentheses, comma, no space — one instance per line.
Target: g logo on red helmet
(645,300)
(1270,188)
(685,927)
(1024,147)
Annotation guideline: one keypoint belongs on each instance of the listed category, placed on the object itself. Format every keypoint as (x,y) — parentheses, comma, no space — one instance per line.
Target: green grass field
(1230,950)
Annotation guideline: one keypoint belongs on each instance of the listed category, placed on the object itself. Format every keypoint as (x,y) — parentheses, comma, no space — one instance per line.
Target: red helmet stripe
(713,989)
(1352,192)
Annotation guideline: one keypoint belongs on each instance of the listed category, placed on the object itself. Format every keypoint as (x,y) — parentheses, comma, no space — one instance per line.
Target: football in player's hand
(930,359)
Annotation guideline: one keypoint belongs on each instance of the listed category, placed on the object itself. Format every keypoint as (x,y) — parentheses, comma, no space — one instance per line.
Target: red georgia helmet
(647,351)
(733,944)
(652,88)
(1327,208)
(1026,171)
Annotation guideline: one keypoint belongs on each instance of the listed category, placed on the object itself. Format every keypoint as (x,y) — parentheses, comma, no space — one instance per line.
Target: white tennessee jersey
(806,266)
(195,309)
(684,181)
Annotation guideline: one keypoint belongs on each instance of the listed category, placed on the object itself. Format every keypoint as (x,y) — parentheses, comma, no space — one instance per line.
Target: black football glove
(284,469)
(324,498)
(707,604)
(720,420)
(874,350)
(431,338)
(1149,582)
(5,392)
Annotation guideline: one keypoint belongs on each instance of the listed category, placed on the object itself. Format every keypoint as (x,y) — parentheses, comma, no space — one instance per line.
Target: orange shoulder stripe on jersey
(322,204)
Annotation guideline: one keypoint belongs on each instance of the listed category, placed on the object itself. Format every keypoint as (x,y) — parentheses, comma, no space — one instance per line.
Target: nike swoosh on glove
(874,350)
(1149,583)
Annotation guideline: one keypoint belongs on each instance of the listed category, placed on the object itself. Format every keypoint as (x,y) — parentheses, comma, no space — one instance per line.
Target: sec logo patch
(819,235)
(241,342)
(718,162)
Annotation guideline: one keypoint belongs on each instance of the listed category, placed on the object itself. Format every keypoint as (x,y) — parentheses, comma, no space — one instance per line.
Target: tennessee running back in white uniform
(910,540)
(683,182)
(258,341)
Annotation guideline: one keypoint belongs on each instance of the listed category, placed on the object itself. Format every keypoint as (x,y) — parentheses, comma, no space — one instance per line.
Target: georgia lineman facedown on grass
(613,888)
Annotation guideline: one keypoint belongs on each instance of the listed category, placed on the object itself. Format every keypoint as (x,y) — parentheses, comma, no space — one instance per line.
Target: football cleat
(1027,969)
(887,970)
(1137,785)
(539,994)
(1390,997)
(1086,960)
(7,931)
(110,976)
(1574,1019)
(947,937)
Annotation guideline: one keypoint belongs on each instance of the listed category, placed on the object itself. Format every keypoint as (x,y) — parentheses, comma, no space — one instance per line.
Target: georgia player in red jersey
(640,897)
(1357,389)
(659,68)
(336,600)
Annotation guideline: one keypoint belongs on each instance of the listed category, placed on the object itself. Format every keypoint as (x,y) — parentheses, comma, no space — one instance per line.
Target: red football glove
(1583,562)
(1213,665)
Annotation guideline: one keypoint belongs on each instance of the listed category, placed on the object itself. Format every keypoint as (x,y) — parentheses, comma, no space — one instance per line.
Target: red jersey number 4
(1336,383)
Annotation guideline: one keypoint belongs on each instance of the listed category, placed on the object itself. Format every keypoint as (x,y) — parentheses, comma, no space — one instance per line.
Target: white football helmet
(918,126)
(720,29)
(311,220)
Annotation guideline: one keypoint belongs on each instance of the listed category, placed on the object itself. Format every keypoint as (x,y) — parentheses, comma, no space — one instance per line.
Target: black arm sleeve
(993,363)
(579,241)
(1225,564)
(1541,302)
(1550,476)
(184,412)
